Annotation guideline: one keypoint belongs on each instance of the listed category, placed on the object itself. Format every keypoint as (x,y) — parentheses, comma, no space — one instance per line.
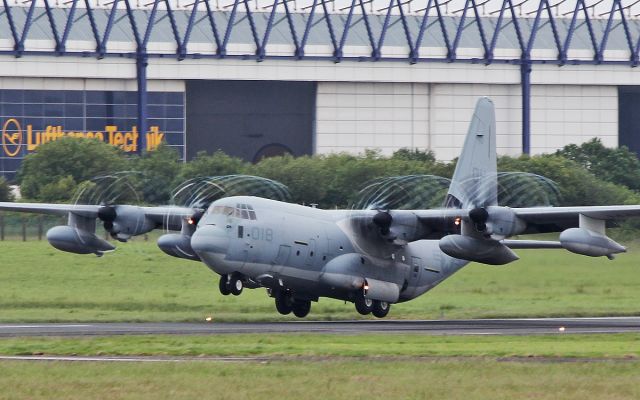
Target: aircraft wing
(556,219)
(53,209)
(537,219)
(168,217)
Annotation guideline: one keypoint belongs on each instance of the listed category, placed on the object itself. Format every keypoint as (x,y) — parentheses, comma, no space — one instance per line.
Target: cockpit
(243,211)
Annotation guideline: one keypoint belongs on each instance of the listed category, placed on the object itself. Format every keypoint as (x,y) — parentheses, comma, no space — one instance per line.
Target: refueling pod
(78,236)
(75,240)
(589,243)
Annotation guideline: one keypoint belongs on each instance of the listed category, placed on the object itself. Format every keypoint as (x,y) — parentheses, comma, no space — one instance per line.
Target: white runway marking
(127,359)
(4,326)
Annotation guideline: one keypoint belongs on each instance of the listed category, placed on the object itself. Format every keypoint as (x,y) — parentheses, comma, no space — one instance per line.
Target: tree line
(586,174)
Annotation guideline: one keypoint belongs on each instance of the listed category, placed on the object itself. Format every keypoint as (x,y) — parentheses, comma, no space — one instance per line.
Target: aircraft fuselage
(311,252)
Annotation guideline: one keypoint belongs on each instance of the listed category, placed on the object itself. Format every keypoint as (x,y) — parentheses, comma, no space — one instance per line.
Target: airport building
(262,77)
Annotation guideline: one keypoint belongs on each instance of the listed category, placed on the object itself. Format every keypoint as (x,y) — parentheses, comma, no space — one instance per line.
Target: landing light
(191,221)
(208,319)
(457,221)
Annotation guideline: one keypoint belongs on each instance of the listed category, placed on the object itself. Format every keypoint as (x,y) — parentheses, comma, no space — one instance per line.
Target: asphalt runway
(428,327)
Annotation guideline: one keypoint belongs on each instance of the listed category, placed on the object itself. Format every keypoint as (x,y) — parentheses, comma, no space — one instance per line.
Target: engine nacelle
(122,222)
(589,243)
(177,245)
(484,251)
(75,240)
(503,222)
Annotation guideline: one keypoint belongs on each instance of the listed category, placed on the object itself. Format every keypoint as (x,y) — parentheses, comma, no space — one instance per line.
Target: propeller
(479,217)
(107,215)
(383,221)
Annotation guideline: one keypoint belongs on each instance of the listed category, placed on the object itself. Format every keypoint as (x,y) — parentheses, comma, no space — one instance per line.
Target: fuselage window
(240,231)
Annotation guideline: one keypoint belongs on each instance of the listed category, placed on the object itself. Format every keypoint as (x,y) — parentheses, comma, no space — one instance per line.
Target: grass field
(609,346)
(311,366)
(345,379)
(139,283)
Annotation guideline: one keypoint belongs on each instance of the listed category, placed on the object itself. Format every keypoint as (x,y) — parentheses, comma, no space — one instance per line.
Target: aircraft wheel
(283,303)
(381,308)
(224,285)
(363,305)
(235,285)
(301,308)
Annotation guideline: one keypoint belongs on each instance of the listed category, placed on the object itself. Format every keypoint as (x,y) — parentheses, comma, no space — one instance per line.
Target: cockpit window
(244,211)
(221,210)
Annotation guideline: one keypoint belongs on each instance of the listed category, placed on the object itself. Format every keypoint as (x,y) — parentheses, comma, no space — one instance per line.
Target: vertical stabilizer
(475,181)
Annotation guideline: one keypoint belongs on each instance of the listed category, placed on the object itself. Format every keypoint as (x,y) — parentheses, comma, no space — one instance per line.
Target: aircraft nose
(210,239)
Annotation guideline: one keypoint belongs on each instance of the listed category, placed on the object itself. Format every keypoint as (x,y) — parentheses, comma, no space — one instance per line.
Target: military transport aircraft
(373,258)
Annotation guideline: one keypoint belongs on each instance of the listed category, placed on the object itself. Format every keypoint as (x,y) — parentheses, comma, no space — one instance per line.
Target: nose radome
(210,239)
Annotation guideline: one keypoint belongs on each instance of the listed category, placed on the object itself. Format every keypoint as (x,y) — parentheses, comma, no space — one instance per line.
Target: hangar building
(262,77)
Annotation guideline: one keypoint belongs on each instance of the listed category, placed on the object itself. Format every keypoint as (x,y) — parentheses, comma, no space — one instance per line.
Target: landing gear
(232,284)
(301,308)
(284,302)
(224,285)
(380,308)
(363,305)
(235,284)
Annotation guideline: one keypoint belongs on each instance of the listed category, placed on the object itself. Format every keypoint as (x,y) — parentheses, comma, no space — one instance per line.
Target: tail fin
(475,180)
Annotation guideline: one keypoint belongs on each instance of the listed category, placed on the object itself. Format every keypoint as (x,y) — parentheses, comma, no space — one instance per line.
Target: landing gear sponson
(286,303)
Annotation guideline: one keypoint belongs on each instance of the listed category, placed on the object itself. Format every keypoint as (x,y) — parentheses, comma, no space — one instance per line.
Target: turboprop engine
(179,244)
(482,230)
(123,221)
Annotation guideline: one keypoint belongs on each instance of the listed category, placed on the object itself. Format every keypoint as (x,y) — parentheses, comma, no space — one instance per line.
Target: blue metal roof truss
(318,12)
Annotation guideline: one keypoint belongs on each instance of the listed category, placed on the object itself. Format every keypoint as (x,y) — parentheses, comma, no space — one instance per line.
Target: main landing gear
(231,284)
(365,306)
(286,304)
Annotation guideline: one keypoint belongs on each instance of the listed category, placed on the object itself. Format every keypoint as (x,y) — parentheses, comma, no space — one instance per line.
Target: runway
(428,327)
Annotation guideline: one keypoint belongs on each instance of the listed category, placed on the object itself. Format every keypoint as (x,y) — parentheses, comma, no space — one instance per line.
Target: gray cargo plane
(373,258)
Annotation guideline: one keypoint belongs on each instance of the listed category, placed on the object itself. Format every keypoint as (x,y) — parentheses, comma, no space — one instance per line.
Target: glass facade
(29,118)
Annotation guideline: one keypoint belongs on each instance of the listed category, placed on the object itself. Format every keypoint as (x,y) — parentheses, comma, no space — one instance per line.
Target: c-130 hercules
(372,258)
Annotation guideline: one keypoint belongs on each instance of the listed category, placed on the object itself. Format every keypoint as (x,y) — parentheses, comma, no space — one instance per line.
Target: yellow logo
(11,138)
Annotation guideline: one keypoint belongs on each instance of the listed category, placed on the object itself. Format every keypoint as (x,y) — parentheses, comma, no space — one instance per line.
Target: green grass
(140,283)
(346,379)
(614,346)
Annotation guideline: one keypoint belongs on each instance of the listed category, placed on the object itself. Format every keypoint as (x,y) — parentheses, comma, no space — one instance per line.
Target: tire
(363,305)
(301,308)
(235,285)
(381,308)
(283,303)
(224,285)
